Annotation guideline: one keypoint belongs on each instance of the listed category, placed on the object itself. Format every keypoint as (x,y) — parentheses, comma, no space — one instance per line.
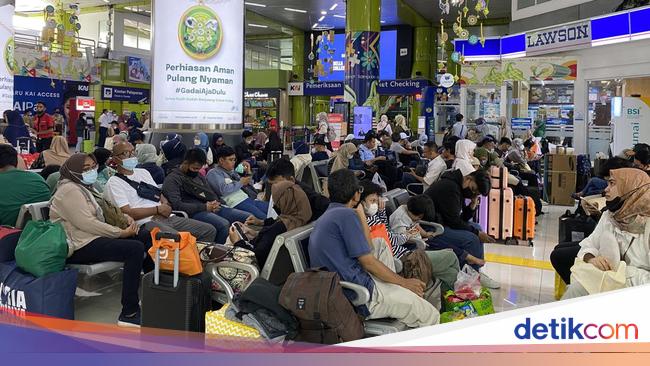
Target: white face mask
(371,210)
(197,142)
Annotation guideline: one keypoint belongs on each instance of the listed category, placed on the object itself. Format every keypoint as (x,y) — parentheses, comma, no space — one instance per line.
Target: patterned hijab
(634,187)
(293,204)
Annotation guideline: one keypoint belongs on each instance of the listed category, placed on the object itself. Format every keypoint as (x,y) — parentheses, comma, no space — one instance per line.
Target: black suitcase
(574,228)
(173,301)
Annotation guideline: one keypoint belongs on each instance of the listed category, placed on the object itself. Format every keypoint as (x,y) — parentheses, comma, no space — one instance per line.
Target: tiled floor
(520,286)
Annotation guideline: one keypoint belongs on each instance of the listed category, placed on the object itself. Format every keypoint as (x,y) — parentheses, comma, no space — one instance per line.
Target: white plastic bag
(380,182)
(468,283)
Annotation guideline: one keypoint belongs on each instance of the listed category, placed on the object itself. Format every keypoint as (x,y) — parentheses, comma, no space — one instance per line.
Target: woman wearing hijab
(464,156)
(341,158)
(384,125)
(292,206)
(274,144)
(147,157)
(400,125)
(133,122)
(217,143)
(58,152)
(506,129)
(16,128)
(260,139)
(92,240)
(622,234)
(174,151)
(201,141)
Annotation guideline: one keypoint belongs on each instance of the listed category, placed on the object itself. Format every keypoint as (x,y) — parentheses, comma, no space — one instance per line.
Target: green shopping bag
(42,248)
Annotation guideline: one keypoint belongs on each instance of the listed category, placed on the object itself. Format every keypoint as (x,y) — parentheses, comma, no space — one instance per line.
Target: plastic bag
(468,284)
(378,181)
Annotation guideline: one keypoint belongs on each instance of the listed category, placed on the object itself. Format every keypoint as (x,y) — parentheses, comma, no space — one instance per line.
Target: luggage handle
(156,273)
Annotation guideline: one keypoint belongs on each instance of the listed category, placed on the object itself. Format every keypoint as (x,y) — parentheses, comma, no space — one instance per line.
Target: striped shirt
(397,241)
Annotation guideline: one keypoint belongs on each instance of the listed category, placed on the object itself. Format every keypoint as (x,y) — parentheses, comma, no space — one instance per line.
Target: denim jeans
(462,242)
(259,209)
(233,215)
(220,224)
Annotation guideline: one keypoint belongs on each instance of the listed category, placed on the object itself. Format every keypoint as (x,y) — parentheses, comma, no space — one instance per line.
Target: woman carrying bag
(97,233)
(617,254)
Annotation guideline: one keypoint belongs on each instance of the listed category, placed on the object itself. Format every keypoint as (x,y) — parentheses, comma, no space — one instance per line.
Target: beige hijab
(340,157)
(292,201)
(634,187)
(58,152)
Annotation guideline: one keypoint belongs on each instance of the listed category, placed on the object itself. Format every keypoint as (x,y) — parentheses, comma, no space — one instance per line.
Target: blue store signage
(401,87)
(522,123)
(324,88)
(30,90)
(124,94)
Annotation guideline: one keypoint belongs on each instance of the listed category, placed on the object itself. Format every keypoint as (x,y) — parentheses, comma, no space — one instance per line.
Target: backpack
(324,314)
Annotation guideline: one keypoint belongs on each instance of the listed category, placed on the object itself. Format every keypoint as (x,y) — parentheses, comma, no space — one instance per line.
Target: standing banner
(198,71)
(7,68)
(336,121)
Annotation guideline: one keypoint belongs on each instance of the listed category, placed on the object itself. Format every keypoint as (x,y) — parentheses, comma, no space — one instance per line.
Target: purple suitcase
(482,213)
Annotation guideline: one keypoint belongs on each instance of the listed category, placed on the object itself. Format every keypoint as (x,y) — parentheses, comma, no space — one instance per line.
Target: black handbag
(199,191)
(144,190)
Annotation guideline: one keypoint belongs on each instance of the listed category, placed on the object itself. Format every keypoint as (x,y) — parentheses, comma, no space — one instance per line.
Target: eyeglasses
(126,154)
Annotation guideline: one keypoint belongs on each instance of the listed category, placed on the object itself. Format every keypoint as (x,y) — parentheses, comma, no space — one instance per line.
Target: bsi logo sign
(633,112)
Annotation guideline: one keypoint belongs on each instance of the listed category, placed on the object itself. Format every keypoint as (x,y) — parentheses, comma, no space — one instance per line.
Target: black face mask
(468,193)
(192,174)
(615,204)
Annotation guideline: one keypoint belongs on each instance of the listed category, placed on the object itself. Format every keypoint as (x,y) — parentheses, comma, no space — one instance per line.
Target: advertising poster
(362,69)
(632,124)
(7,44)
(198,62)
(335,120)
(362,121)
(138,70)
(524,69)
(45,65)
(27,91)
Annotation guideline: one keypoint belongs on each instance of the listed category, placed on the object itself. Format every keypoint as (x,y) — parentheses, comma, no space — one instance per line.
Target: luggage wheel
(511,241)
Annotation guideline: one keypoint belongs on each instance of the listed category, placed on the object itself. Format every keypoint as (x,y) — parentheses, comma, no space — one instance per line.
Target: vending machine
(76,106)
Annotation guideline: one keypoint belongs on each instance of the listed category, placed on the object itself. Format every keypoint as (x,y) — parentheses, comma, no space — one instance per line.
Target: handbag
(216,323)
(238,279)
(199,191)
(144,190)
(189,259)
(51,295)
(417,265)
(596,281)
(42,248)
(112,215)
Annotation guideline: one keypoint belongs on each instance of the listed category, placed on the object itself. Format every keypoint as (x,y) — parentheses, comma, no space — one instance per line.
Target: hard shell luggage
(499,177)
(500,215)
(174,301)
(524,224)
(573,228)
(8,241)
(481,215)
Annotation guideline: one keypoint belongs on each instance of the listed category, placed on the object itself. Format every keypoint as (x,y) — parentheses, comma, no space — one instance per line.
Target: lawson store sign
(560,38)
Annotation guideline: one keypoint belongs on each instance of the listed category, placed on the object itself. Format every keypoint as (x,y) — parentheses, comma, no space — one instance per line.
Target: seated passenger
(435,166)
(444,264)
(244,151)
(622,234)
(294,211)
(228,184)
(399,147)
(464,154)
(217,143)
(92,240)
(201,141)
(58,152)
(448,196)
(147,157)
(282,170)
(320,151)
(174,152)
(105,172)
(274,144)
(338,243)
(504,146)
(341,158)
(120,192)
(17,187)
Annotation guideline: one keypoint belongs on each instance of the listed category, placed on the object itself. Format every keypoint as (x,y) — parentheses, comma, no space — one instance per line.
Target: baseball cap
(403,136)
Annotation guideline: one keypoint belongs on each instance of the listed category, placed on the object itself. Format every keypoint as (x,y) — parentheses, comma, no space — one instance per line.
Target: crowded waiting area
(320,171)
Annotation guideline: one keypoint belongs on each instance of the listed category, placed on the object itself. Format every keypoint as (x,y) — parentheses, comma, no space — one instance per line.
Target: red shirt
(44,123)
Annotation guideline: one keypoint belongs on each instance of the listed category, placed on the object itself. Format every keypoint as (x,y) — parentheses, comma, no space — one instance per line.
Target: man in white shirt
(104,124)
(460,128)
(435,167)
(147,213)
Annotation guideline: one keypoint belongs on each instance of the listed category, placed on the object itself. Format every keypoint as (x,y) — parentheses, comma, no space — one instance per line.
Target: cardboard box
(563,184)
(562,163)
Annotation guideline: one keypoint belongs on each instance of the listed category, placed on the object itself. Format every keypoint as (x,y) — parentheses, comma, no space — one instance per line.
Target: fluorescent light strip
(257,25)
(321,18)
(296,10)
(483,58)
(612,40)
(339,16)
(334,6)
(514,55)
(382,21)
(255,4)
(315,25)
(323,12)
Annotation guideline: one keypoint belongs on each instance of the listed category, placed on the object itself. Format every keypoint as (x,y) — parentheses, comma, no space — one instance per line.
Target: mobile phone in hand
(240,230)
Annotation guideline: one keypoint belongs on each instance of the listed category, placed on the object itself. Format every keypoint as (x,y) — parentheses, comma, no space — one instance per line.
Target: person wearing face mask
(319,151)
(293,209)
(174,151)
(340,241)
(341,158)
(189,192)
(622,234)
(449,195)
(119,190)
(384,125)
(44,127)
(464,155)
(201,141)
(228,179)
(244,151)
(147,158)
(92,239)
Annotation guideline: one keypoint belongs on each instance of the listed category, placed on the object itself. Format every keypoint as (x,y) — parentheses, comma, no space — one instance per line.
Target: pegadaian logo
(200,32)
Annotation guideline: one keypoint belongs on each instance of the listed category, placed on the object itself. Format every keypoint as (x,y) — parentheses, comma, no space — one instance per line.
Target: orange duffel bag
(168,244)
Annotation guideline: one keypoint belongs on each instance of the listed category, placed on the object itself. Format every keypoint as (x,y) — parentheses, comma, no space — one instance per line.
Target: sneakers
(488,282)
(132,321)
